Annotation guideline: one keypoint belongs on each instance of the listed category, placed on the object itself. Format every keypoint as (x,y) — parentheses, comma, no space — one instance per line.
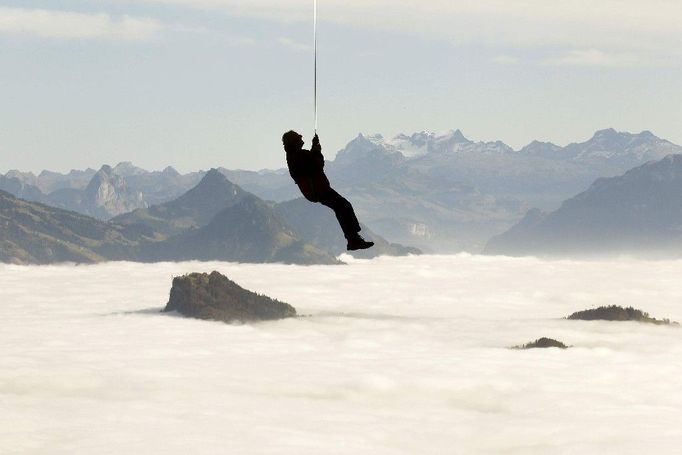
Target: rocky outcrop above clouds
(215,297)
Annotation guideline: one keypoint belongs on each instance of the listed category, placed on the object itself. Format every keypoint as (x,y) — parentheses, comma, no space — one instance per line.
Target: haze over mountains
(637,213)
(33,233)
(101,194)
(445,193)
(439,192)
(216,220)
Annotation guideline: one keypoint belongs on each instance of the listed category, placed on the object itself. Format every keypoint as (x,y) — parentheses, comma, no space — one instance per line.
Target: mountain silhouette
(441,192)
(639,212)
(34,233)
(105,196)
(193,209)
(248,231)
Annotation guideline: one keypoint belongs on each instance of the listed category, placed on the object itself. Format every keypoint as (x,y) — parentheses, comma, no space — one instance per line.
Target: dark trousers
(343,211)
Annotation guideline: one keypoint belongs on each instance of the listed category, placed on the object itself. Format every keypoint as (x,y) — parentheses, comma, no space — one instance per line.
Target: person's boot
(355,242)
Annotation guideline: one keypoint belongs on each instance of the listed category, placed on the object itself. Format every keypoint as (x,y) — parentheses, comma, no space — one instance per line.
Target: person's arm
(316,150)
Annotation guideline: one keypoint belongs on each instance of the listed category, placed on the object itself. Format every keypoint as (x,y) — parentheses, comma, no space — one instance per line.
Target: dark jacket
(305,163)
(306,167)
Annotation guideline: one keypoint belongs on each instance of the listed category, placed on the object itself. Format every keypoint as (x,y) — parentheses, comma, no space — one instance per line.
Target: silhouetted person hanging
(306,167)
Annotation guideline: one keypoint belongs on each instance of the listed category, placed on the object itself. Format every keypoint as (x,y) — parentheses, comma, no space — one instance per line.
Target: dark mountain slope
(193,209)
(38,234)
(318,225)
(248,231)
(21,189)
(639,212)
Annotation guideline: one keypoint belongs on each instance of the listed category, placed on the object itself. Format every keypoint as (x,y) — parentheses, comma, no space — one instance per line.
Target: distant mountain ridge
(102,194)
(604,144)
(463,192)
(247,231)
(215,220)
(639,213)
(497,169)
(106,195)
(440,192)
(192,210)
(33,233)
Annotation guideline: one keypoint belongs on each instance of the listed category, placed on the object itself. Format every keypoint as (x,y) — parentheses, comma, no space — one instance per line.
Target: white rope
(315,48)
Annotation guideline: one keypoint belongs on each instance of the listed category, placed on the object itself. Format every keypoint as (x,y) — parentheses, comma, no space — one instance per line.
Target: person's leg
(344,212)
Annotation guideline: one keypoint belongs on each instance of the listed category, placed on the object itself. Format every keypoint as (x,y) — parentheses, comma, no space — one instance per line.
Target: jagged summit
(213,188)
(170,171)
(47,173)
(607,133)
(195,208)
(418,144)
(128,169)
(611,140)
(543,150)
(604,144)
(107,195)
(26,177)
(368,149)
(17,186)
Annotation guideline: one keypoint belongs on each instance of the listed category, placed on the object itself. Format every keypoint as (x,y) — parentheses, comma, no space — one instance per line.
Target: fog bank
(395,356)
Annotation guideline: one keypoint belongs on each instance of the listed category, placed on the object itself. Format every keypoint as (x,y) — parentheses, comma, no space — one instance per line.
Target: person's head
(292,141)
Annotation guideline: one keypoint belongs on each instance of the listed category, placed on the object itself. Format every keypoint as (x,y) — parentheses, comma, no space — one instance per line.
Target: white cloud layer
(398,356)
(592,57)
(72,25)
(641,24)
(604,33)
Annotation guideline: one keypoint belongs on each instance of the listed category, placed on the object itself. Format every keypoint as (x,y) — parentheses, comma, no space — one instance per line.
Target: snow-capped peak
(424,142)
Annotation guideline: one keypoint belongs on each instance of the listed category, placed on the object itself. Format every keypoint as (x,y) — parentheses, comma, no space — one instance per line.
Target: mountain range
(446,193)
(102,194)
(637,213)
(216,220)
(34,233)
(439,192)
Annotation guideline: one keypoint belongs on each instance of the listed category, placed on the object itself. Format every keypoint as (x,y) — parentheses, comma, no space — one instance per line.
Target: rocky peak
(363,148)
(612,139)
(213,175)
(606,134)
(623,149)
(424,142)
(105,179)
(454,136)
(170,171)
(107,195)
(20,188)
(127,169)
(213,181)
(216,297)
(213,193)
(543,149)
(25,177)
(666,169)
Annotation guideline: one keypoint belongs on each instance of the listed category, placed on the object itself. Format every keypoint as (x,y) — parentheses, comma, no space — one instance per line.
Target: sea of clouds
(395,356)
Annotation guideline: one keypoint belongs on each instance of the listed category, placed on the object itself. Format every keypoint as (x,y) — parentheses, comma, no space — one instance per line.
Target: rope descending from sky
(315,50)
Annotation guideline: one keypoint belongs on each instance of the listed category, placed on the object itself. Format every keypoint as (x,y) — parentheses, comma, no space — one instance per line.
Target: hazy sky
(204,83)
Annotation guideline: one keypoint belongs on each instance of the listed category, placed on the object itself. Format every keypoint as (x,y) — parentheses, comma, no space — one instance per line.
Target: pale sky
(206,83)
